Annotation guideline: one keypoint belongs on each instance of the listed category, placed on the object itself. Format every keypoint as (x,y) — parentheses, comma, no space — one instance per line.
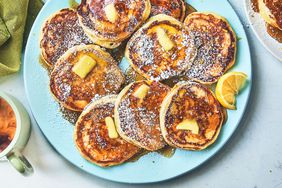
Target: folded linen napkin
(4,33)
(13,14)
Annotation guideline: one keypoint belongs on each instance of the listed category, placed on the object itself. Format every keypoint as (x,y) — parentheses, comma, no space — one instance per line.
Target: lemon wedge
(228,86)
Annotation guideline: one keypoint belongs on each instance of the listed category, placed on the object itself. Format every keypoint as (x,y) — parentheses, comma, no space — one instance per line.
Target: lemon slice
(228,86)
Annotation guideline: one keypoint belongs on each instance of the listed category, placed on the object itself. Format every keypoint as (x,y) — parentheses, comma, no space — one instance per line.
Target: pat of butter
(141,92)
(111,127)
(111,12)
(190,125)
(84,66)
(164,39)
(200,92)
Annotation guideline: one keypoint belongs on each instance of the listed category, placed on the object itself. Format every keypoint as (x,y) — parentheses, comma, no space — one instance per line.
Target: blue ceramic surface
(152,167)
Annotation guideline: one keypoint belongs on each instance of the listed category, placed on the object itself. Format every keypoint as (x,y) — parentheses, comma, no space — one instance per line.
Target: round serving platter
(152,167)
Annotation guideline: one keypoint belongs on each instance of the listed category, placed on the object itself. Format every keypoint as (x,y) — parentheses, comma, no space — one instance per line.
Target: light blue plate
(152,167)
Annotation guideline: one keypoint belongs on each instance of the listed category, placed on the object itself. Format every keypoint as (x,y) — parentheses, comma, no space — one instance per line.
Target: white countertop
(252,158)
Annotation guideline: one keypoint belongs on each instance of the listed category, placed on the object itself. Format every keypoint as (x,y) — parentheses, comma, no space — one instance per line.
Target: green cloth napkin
(13,14)
(4,33)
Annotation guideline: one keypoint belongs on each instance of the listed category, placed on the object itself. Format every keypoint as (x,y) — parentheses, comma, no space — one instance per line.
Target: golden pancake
(92,138)
(216,46)
(174,8)
(105,44)
(161,48)
(59,33)
(190,116)
(112,21)
(137,114)
(74,92)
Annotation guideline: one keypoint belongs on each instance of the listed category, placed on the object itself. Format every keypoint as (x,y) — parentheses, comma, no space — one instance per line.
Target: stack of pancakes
(118,121)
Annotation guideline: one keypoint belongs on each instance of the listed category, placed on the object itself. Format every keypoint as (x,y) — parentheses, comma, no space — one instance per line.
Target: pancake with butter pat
(85,23)
(174,8)
(191,117)
(216,46)
(59,33)
(137,114)
(92,135)
(161,49)
(271,11)
(112,21)
(74,86)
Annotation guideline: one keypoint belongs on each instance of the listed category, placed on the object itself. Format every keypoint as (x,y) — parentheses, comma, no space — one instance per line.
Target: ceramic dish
(149,168)
(258,26)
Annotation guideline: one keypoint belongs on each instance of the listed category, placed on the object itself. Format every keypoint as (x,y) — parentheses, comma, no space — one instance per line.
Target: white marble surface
(252,158)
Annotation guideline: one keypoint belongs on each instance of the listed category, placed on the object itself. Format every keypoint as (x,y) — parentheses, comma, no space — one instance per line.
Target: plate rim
(246,5)
(217,150)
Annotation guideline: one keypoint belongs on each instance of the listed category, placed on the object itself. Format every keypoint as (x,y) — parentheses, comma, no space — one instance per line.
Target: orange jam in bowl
(8,124)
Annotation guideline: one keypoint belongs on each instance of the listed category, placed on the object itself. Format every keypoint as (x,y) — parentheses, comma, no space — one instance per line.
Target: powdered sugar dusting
(69,115)
(153,60)
(74,92)
(131,15)
(66,88)
(128,119)
(215,45)
(61,33)
(174,8)
(92,136)
(146,50)
(139,118)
